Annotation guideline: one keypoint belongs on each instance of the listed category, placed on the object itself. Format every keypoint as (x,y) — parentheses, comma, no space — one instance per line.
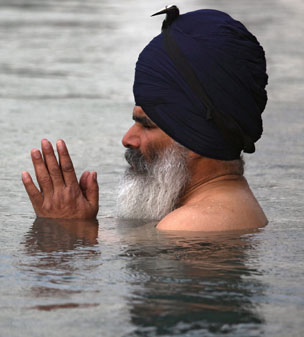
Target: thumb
(92,190)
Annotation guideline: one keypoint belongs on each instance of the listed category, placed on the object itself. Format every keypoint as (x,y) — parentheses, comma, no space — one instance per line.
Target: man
(199,90)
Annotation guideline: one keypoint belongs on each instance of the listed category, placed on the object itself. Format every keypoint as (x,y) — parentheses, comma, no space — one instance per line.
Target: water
(66,71)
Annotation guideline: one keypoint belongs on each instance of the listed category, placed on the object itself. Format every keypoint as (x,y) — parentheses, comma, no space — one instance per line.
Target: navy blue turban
(230,69)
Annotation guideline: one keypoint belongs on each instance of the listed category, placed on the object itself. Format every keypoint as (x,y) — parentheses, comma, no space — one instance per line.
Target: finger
(83,182)
(51,163)
(92,192)
(42,174)
(66,164)
(32,191)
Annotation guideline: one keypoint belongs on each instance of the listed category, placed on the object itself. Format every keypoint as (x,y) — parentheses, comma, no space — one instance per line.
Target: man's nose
(131,138)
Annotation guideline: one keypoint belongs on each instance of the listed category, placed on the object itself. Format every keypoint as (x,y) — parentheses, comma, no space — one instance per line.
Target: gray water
(66,71)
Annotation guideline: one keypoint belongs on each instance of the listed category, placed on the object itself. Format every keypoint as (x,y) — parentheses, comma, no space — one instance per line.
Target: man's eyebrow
(145,121)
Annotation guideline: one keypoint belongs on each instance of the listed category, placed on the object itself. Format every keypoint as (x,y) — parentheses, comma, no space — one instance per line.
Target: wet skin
(222,203)
(60,195)
(144,133)
(216,199)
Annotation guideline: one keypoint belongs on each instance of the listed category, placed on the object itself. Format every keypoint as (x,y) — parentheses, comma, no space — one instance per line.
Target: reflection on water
(195,285)
(49,235)
(171,283)
(54,246)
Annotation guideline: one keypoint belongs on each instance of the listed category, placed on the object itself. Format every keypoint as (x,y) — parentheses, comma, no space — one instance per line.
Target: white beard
(151,190)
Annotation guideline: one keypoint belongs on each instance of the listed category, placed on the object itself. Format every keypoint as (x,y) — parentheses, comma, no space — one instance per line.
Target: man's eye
(148,126)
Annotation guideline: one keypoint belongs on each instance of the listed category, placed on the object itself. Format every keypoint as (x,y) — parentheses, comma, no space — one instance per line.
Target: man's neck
(217,198)
(206,175)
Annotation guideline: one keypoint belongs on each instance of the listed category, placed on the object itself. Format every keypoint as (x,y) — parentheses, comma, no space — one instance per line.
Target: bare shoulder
(224,212)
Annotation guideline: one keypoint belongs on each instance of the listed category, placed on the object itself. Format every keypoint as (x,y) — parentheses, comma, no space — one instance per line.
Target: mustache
(136,160)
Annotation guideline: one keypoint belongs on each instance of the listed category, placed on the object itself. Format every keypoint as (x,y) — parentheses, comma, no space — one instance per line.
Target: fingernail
(36,154)
(60,144)
(46,144)
(25,175)
(94,176)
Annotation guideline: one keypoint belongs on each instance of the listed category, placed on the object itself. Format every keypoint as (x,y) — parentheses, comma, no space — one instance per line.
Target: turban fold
(229,64)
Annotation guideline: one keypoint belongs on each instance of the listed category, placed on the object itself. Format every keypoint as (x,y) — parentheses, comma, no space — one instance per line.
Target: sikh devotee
(199,92)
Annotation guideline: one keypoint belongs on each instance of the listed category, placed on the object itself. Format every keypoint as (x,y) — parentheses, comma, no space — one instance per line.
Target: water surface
(66,71)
